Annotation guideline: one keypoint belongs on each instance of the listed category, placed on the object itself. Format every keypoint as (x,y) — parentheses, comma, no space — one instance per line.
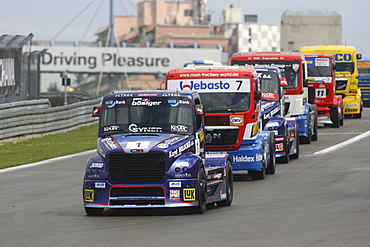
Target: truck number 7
(240,84)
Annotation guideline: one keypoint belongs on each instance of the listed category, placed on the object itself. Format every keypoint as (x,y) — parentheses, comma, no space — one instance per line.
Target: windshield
(345,67)
(364,68)
(288,69)
(270,84)
(225,102)
(146,115)
(319,67)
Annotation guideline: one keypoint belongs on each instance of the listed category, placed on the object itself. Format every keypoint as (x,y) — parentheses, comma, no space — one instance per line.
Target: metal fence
(33,118)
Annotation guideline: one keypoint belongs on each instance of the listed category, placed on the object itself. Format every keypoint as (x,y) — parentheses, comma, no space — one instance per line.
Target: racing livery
(151,153)
(293,67)
(273,114)
(231,97)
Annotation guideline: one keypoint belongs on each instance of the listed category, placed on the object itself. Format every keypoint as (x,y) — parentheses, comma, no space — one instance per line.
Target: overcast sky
(77,20)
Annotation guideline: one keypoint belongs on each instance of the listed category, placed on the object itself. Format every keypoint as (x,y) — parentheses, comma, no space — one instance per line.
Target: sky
(78,20)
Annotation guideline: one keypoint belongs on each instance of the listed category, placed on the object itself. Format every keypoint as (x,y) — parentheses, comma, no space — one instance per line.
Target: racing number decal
(139,144)
(89,195)
(240,84)
(189,194)
(320,93)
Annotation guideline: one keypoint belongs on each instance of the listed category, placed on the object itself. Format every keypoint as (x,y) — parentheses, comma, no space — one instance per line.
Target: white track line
(43,162)
(335,147)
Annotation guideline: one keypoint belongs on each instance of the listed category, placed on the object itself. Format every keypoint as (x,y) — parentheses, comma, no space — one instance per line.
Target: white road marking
(43,162)
(335,147)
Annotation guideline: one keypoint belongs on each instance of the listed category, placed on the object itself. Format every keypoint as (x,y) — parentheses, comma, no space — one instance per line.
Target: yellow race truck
(346,73)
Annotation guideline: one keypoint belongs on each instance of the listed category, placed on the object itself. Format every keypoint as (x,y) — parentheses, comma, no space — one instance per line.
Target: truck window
(225,102)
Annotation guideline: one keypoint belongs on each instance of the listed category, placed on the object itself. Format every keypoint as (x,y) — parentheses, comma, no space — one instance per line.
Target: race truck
(151,154)
(293,67)
(346,75)
(231,98)
(364,79)
(273,117)
(321,89)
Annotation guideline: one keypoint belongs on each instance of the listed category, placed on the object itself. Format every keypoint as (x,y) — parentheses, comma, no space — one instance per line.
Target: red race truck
(321,89)
(231,98)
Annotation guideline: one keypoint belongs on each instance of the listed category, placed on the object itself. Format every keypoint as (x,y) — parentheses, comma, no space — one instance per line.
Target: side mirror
(358,56)
(283,82)
(96,112)
(305,83)
(257,95)
(199,110)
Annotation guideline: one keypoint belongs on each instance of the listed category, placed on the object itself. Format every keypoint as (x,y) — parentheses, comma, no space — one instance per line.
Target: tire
(271,168)
(334,117)
(94,211)
(315,136)
(257,175)
(229,187)
(201,192)
(296,155)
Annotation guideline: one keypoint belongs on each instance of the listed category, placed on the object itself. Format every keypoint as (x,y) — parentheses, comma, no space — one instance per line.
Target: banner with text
(120,60)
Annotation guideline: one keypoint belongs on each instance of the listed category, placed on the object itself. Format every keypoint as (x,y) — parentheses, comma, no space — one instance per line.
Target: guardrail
(32,118)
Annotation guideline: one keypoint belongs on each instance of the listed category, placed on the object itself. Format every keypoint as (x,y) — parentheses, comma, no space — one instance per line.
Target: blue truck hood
(143,143)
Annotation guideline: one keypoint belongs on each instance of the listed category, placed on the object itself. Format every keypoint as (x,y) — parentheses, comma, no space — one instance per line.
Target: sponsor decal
(89,195)
(322,62)
(175,103)
(279,139)
(295,67)
(215,155)
(109,143)
(215,176)
(135,128)
(140,144)
(174,195)
(352,105)
(178,151)
(111,128)
(272,113)
(175,184)
(99,185)
(243,159)
(179,128)
(162,145)
(350,110)
(279,147)
(96,165)
(237,120)
(110,103)
(194,85)
(270,96)
(189,194)
(223,195)
(145,102)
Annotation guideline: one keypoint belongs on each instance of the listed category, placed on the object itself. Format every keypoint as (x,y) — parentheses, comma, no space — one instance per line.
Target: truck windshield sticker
(211,85)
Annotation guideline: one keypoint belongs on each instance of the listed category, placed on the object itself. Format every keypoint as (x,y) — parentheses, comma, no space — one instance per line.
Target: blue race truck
(273,114)
(151,154)
(364,79)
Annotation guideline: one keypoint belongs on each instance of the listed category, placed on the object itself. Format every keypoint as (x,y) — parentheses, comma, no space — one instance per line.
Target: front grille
(217,120)
(221,136)
(136,168)
(138,196)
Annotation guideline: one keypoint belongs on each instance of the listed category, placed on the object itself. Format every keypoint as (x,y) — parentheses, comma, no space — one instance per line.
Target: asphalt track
(321,199)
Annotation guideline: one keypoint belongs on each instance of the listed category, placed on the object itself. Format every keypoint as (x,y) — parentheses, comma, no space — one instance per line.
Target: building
(311,28)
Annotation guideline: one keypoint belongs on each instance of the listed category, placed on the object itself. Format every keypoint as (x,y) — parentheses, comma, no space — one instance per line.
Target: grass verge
(47,147)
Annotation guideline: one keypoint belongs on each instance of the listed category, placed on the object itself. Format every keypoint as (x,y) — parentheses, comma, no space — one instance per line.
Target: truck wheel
(201,192)
(315,124)
(229,187)
(271,168)
(94,211)
(334,117)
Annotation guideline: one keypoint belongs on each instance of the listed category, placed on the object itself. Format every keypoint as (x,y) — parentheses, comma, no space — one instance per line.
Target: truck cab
(151,154)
